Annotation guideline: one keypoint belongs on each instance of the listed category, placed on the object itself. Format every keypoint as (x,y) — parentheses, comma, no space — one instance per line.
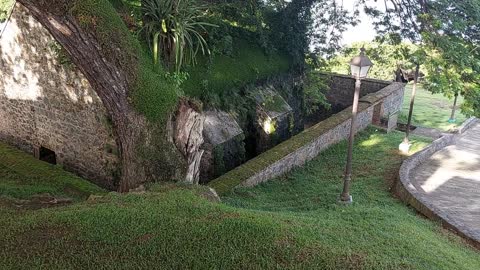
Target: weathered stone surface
(220,127)
(274,118)
(342,87)
(388,105)
(224,146)
(210,194)
(44,102)
(188,137)
(340,96)
(290,87)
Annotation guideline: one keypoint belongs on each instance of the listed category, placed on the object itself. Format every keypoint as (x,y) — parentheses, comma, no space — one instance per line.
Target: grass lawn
(291,222)
(431,110)
(22,176)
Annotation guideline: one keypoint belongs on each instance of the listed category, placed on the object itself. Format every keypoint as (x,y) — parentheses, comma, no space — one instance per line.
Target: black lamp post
(452,116)
(360,65)
(405,145)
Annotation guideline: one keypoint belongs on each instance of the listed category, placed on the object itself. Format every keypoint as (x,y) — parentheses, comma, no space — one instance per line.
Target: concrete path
(450,182)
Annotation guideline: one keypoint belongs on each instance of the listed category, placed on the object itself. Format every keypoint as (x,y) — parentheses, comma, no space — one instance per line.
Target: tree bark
(107,80)
(188,137)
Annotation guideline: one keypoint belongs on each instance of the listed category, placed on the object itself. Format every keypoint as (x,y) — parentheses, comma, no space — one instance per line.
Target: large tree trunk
(106,79)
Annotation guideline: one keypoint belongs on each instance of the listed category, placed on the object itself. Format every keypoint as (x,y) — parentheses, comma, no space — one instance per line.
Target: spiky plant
(174,29)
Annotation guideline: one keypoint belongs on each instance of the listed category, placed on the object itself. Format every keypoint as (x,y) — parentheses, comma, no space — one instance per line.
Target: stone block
(223,146)
(274,118)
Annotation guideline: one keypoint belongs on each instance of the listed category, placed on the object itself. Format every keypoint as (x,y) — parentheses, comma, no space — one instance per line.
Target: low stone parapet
(308,144)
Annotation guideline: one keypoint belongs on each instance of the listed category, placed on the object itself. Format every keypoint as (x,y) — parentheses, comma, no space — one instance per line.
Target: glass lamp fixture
(360,65)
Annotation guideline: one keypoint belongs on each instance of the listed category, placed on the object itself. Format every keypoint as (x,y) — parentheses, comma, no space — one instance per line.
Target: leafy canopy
(450,37)
(5,7)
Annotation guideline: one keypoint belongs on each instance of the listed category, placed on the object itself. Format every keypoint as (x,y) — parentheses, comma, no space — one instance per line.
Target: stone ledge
(350,77)
(375,98)
(466,125)
(413,197)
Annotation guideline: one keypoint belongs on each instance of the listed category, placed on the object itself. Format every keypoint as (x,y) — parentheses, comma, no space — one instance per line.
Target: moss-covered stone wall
(309,143)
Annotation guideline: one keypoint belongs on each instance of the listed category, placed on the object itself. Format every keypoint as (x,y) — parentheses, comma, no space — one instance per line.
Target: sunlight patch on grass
(371,142)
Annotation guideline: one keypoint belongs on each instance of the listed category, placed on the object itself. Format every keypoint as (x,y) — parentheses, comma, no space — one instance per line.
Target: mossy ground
(217,78)
(22,176)
(225,74)
(292,222)
(150,92)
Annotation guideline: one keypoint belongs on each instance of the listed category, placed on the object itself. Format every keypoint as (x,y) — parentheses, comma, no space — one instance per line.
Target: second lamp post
(360,65)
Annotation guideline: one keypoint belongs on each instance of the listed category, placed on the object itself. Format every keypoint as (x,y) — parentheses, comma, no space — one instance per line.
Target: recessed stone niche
(274,118)
(224,145)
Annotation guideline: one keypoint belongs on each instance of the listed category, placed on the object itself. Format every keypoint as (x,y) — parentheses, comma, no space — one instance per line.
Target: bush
(177,27)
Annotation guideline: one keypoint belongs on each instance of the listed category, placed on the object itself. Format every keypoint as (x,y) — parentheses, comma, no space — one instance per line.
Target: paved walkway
(450,182)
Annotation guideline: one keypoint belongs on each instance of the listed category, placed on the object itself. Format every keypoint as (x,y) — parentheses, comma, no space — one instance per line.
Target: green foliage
(154,96)
(5,8)
(274,103)
(21,176)
(449,34)
(386,58)
(177,26)
(472,103)
(151,94)
(215,80)
(314,90)
(293,28)
(454,69)
(293,222)
(61,55)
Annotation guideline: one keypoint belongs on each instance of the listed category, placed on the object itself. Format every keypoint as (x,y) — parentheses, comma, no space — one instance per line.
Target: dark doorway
(47,155)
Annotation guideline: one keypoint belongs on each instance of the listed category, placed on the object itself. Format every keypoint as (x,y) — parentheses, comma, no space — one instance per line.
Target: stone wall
(46,102)
(342,87)
(309,143)
(223,145)
(310,150)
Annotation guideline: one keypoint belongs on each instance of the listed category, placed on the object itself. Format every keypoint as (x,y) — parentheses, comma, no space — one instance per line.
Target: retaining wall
(46,102)
(342,88)
(309,143)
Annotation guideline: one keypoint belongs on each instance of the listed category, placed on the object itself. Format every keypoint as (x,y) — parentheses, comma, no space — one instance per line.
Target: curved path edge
(409,194)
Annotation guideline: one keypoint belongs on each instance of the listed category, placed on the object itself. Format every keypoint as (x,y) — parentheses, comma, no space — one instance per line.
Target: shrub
(177,28)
